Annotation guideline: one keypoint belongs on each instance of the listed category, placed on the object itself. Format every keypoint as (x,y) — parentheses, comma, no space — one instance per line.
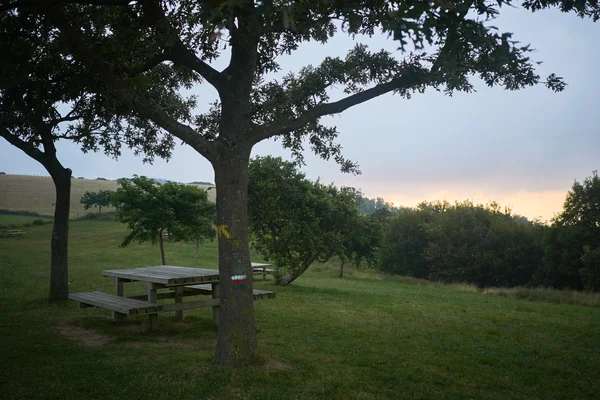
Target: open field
(323,337)
(36,193)
(18,220)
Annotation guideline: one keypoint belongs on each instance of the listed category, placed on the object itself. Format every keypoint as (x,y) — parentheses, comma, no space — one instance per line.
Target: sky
(523,149)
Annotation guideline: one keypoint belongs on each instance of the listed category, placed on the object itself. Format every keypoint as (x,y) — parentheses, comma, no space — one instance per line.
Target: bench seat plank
(123,305)
(207,289)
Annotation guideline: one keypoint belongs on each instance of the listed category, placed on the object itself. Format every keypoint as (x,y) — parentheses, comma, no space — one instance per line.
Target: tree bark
(59,277)
(197,248)
(162,247)
(237,339)
(295,274)
(342,269)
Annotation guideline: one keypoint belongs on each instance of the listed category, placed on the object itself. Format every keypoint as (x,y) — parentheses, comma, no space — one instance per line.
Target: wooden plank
(179,300)
(206,289)
(152,293)
(188,305)
(118,304)
(98,301)
(259,265)
(260,270)
(166,275)
(200,289)
(215,311)
(118,317)
(133,275)
(159,296)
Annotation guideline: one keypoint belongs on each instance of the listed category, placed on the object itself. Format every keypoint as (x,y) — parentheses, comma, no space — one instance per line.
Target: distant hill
(201,183)
(36,193)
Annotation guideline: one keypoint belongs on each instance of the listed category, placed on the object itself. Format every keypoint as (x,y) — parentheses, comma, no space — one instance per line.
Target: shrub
(404,245)
(101,179)
(108,216)
(23,213)
(2,173)
(469,243)
(590,273)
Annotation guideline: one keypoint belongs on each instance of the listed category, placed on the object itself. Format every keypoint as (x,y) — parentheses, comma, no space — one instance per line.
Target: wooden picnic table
(260,267)
(168,277)
(179,281)
(11,233)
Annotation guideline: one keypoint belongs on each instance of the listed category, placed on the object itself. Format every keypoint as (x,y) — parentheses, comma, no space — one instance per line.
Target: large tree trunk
(237,339)
(59,278)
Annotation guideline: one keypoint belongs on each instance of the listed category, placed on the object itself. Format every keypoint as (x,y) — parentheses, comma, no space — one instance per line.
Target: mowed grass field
(18,220)
(322,338)
(37,194)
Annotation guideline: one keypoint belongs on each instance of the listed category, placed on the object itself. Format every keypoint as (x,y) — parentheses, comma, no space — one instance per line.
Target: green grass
(321,338)
(17,220)
(544,294)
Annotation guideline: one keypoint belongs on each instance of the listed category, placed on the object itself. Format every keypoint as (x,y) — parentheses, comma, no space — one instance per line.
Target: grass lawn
(323,337)
(18,220)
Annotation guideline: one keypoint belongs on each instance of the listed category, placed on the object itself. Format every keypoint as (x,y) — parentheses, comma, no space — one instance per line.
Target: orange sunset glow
(543,204)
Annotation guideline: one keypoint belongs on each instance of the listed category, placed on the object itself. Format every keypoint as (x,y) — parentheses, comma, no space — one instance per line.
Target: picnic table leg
(215,309)
(179,300)
(118,317)
(152,318)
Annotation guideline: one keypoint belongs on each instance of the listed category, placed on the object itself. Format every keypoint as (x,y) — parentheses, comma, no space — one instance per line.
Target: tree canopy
(152,210)
(295,222)
(573,243)
(463,242)
(96,199)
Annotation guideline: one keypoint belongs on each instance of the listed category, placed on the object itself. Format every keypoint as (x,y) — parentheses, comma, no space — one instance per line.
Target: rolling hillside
(36,193)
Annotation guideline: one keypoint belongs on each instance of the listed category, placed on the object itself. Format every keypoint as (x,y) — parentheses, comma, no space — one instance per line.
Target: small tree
(150,210)
(294,221)
(96,199)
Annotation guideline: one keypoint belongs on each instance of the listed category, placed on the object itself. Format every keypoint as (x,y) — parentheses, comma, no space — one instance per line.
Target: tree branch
(24,146)
(410,79)
(125,95)
(37,3)
(148,64)
(179,53)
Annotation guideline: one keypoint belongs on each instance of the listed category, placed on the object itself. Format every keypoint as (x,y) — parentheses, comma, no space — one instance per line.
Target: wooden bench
(120,306)
(11,233)
(207,289)
(137,305)
(262,270)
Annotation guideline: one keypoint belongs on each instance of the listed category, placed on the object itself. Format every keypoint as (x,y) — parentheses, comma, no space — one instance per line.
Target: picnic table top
(260,265)
(168,274)
(165,274)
